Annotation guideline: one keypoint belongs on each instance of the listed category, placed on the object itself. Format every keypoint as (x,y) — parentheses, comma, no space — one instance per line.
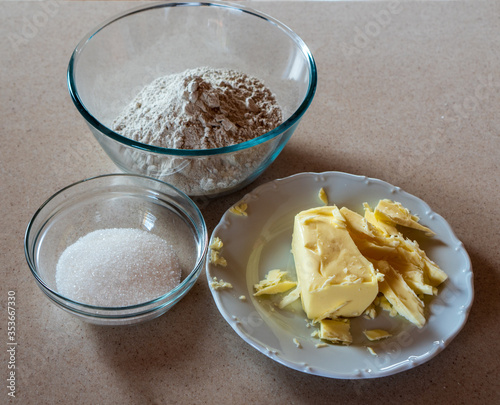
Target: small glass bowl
(117,59)
(116,201)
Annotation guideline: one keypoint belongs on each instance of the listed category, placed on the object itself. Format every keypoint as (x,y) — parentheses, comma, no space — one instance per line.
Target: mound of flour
(200,108)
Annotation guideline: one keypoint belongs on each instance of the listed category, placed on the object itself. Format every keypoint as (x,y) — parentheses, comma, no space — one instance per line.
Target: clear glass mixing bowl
(117,59)
(116,201)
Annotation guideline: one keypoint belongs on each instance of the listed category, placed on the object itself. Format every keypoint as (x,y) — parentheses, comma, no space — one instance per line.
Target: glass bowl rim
(76,306)
(284,126)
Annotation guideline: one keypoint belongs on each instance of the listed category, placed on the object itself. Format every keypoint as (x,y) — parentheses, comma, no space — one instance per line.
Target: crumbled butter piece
(216,244)
(315,333)
(395,214)
(372,352)
(386,306)
(274,283)
(220,284)
(370,312)
(322,196)
(242,298)
(291,297)
(217,259)
(215,256)
(240,209)
(297,343)
(376,334)
(400,295)
(336,331)
(320,345)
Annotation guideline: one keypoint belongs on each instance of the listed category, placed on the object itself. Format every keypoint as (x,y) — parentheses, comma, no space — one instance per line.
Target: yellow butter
(274,283)
(413,254)
(404,255)
(322,196)
(290,298)
(297,343)
(386,228)
(240,209)
(220,284)
(336,330)
(334,278)
(402,298)
(370,312)
(215,253)
(386,306)
(217,259)
(376,334)
(394,213)
(216,244)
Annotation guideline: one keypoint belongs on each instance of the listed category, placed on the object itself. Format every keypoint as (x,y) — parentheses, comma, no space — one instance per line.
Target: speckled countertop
(409,92)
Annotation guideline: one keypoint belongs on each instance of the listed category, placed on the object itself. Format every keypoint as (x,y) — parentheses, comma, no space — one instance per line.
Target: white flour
(202,108)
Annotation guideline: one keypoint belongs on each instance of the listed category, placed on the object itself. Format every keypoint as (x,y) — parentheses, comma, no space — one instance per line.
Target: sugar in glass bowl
(117,59)
(131,202)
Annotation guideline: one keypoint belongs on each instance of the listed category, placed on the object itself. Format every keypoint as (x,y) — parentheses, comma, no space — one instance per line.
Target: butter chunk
(394,213)
(376,334)
(320,345)
(400,295)
(240,209)
(413,275)
(386,306)
(413,254)
(220,284)
(217,259)
(370,312)
(334,277)
(322,196)
(216,244)
(290,298)
(402,254)
(384,227)
(370,238)
(336,331)
(274,283)
(215,256)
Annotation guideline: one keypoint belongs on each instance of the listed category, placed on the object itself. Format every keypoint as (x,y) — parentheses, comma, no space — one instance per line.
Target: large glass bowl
(117,59)
(116,201)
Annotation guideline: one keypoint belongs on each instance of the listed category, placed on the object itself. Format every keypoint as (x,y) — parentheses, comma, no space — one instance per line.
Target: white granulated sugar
(117,267)
(201,108)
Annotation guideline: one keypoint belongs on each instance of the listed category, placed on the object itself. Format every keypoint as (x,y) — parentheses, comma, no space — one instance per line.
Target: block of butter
(334,278)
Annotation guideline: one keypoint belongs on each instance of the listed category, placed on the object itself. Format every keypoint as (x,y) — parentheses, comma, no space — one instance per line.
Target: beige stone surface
(408,92)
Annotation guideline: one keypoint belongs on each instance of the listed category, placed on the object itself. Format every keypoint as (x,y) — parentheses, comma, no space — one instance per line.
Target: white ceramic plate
(260,242)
